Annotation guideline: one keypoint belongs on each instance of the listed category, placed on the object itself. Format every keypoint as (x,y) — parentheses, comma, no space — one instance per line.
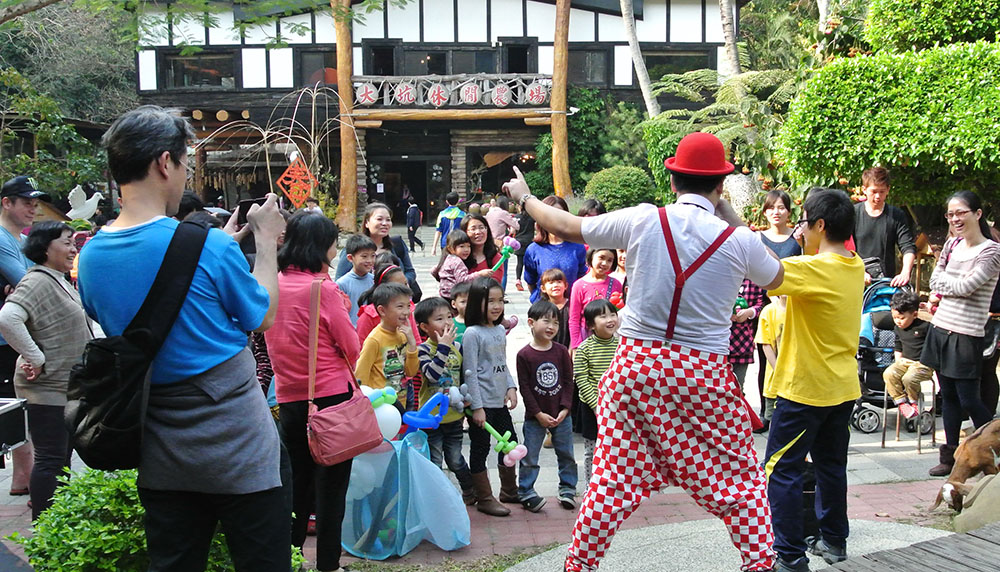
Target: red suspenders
(682,275)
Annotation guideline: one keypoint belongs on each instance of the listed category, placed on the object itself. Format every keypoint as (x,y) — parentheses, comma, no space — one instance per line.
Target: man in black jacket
(880,228)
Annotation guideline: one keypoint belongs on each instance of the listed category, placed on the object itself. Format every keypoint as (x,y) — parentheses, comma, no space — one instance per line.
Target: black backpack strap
(151,324)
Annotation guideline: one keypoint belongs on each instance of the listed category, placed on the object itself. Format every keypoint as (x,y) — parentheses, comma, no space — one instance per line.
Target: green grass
(496,563)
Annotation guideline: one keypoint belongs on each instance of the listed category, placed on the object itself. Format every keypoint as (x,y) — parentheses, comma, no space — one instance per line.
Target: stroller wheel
(867,421)
(925,421)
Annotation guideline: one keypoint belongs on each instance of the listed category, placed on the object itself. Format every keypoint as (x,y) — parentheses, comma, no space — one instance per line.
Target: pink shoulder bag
(343,431)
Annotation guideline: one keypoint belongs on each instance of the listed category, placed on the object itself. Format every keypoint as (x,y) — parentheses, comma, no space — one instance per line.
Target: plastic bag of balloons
(397,498)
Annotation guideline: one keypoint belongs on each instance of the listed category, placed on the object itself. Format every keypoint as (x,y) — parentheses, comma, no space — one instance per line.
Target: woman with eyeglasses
(964,278)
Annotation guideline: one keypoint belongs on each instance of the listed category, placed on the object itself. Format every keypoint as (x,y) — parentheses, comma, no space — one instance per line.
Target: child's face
(544,328)
(461,250)
(396,278)
(435,325)
(601,262)
(606,325)
(363,261)
(554,289)
(459,302)
(903,319)
(621,260)
(396,313)
(494,305)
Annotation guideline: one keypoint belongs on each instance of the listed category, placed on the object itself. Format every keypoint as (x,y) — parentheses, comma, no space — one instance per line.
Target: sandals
(18,492)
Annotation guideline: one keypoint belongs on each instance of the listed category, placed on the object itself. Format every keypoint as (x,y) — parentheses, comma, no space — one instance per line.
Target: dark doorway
(395,174)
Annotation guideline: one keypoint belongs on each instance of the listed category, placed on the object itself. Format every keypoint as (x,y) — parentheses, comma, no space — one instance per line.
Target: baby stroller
(875,354)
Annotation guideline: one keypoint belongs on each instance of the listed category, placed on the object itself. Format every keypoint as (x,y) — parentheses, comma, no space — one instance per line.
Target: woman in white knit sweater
(964,278)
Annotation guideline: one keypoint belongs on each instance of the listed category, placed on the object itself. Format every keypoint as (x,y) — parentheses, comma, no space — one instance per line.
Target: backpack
(109,387)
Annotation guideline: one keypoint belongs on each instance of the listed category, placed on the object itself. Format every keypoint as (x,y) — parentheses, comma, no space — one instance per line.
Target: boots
(469,497)
(946,456)
(485,503)
(508,484)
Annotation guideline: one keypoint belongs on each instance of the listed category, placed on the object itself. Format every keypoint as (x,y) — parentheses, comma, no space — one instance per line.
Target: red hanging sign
(297,182)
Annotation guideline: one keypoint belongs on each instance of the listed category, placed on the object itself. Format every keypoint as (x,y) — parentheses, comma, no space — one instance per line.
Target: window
(318,67)
(425,63)
(588,67)
(202,71)
(517,59)
(663,63)
(482,61)
(383,60)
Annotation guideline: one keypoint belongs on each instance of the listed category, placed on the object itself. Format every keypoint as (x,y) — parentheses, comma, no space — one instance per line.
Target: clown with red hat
(670,411)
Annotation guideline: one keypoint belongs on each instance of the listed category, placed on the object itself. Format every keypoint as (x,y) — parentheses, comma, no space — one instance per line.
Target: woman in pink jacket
(310,245)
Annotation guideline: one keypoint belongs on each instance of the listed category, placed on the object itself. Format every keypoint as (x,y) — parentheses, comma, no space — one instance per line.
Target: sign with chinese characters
(536,94)
(471,93)
(366,94)
(438,95)
(405,94)
(501,95)
(297,182)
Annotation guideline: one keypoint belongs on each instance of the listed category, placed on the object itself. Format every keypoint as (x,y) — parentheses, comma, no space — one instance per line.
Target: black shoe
(831,554)
(762,430)
(534,504)
(567,501)
(799,565)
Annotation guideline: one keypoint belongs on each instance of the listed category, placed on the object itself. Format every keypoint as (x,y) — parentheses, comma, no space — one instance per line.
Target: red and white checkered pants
(670,415)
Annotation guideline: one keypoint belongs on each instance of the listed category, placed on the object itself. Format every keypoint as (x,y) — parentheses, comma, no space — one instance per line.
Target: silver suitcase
(13,424)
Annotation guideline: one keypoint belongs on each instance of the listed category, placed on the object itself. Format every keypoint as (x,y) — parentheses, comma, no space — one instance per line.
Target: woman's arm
(12,326)
(531,267)
(575,313)
(404,258)
(343,265)
(986,267)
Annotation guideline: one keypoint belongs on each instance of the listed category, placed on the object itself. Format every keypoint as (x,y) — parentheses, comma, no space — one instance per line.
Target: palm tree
(729,36)
(652,106)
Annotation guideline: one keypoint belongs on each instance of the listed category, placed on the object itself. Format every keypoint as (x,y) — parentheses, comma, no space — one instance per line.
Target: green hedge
(619,187)
(931,117)
(903,25)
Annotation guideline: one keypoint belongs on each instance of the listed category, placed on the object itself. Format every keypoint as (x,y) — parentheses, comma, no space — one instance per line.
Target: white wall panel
(685,20)
(439,21)
(372,28)
(404,22)
(542,21)
(508,18)
(147,69)
(292,23)
(223,33)
(546,57)
(190,31)
(282,71)
(581,25)
(623,65)
(259,34)
(154,28)
(472,21)
(713,22)
(358,61)
(653,26)
(254,67)
(610,28)
(325,32)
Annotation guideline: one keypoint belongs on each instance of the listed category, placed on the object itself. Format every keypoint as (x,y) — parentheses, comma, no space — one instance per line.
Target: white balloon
(362,479)
(389,420)
(367,390)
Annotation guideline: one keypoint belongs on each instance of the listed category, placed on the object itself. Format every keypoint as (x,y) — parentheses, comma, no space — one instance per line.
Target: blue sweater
(354,286)
(569,257)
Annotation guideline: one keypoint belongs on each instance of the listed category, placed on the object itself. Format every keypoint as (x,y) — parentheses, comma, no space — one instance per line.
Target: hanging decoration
(297,182)
(501,95)
(536,94)
(405,94)
(471,94)
(366,94)
(438,95)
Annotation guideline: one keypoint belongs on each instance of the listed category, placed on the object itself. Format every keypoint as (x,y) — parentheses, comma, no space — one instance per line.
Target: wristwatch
(524,199)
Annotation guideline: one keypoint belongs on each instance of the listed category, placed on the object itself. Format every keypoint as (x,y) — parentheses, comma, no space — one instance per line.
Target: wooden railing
(469,91)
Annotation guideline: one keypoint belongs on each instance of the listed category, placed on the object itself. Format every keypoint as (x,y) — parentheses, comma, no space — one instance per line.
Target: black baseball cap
(24,187)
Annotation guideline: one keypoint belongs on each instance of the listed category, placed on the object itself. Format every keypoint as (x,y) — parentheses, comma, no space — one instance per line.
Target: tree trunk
(824,13)
(347,204)
(652,106)
(729,37)
(22,8)
(560,75)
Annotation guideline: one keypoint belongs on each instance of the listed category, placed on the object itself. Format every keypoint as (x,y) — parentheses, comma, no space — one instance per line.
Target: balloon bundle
(510,246)
(512,450)
(741,304)
(616,300)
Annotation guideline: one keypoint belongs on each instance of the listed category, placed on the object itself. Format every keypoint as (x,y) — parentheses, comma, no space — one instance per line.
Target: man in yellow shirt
(816,382)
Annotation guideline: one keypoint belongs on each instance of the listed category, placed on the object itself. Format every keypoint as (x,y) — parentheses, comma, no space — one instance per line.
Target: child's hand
(485,273)
(561,417)
(545,420)
(743,315)
(449,334)
(479,417)
(408,332)
(511,398)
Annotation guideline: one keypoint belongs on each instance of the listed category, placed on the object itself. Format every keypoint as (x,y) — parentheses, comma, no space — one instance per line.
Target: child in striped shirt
(591,360)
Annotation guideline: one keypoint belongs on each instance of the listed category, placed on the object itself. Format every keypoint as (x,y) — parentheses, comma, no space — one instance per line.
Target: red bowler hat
(700,155)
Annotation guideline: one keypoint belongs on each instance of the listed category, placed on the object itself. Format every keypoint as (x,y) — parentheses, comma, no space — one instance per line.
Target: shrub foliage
(929,116)
(620,186)
(904,25)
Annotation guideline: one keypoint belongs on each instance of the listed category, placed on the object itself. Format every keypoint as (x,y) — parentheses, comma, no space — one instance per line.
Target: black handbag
(109,388)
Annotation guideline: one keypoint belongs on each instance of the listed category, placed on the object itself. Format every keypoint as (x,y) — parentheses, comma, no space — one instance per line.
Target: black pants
(989,386)
(315,488)
(52,453)
(761,374)
(180,526)
(479,449)
(960,397)
(520,264)
(412,233)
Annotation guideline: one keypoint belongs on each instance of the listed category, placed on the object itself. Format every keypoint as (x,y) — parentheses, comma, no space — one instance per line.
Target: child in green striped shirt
(591,360)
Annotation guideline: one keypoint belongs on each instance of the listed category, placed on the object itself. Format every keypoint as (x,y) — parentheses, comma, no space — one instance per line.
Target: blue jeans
(503,283)
(445,443)
(562,442)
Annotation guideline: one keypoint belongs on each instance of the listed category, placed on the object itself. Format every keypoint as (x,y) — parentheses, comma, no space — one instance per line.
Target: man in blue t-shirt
(210,452)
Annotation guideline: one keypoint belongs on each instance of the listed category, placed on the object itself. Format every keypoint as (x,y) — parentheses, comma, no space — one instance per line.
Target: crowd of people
(644,323)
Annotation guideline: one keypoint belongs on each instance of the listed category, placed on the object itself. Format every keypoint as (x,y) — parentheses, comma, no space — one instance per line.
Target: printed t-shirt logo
(547,379)
(392,367)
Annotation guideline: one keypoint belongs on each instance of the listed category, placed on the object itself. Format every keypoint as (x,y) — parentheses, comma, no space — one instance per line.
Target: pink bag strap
(314,299)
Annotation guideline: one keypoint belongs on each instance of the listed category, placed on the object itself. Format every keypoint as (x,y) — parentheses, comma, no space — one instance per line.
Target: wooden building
(444,94)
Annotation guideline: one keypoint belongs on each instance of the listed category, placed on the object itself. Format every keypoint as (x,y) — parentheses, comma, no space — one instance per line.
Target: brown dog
(979,453)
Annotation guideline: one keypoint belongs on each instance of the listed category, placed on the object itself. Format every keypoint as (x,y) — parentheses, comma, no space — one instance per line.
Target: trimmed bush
(904,25)
(928,116)
(619,187)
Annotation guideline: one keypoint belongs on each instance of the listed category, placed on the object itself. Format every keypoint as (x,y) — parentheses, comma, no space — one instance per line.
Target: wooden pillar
(347,205)
(560,71)
(200,158)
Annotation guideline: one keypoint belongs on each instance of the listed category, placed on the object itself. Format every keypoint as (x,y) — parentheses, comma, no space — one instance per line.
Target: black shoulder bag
(109,388)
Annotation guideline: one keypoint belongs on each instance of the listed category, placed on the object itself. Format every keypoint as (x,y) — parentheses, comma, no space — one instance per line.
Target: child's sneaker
(534,504)
(907,410)
(567,501)
(511,323)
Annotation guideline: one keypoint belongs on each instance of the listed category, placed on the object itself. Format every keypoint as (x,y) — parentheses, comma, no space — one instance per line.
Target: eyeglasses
(956,214)
(798,225)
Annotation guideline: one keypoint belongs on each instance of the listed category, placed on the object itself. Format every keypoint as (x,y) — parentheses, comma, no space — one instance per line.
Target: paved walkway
(886,485)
